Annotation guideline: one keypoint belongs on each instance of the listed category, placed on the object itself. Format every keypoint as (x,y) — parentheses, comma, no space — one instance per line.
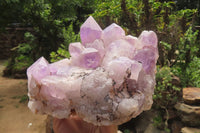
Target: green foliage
(23,54)
(11,11)
(166,93)
(165,47)
(136,16)
(127,131)
(47,18)
(107,12)
(22,62)
(186,56)
(22,99)
(193,72)
(62,52)
(23,48)
(109,8)
(188,47)
(167,130)
(158,121)
(185,4)
(70,36)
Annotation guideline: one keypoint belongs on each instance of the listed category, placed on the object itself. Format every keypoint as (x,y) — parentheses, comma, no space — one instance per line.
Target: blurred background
(34,28)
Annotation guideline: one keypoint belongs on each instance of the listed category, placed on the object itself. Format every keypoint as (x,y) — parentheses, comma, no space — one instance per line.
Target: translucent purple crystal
(109,78)
(90,31)
(112,33)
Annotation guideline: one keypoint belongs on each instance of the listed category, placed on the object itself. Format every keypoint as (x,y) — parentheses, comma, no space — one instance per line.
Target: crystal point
(90,31)
(39,69)
(148,38)
(112,33)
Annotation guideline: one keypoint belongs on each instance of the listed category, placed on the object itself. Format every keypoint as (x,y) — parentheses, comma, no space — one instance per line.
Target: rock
(189,114)
(188,108)
(191,95)
(102,89)
(190,130)
(176,81)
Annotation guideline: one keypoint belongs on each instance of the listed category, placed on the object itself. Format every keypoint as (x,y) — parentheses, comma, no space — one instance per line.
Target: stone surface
(190,130)
(191,95)
(189,115)
(176,81)
(108,80)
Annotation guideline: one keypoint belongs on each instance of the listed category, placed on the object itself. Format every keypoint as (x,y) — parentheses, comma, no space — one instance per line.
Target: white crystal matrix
(109,78)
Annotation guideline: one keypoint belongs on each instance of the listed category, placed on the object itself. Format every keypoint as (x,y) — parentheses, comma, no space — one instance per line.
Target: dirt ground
(15,117)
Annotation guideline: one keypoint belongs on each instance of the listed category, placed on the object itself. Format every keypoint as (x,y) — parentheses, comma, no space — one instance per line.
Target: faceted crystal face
(75,49)
(108,79)
(90,31)
(39,69)
(112,33)
(148,38)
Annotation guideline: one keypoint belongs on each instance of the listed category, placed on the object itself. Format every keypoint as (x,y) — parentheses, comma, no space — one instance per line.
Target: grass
(21,82)
(5,63)
(23,98)
(127,131)
(17,106)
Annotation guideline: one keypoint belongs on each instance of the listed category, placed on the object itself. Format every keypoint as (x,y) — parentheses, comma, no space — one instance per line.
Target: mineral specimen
(109,78)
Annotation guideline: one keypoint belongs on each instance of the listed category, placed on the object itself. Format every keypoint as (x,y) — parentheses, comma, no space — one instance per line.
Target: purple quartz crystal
(90,31)
(112,33)
(109,78)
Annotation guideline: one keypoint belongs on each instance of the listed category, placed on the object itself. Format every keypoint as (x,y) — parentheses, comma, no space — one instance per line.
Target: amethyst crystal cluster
(109,78)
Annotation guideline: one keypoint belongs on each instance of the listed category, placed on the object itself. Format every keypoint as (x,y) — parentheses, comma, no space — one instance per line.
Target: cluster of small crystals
(109,78)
